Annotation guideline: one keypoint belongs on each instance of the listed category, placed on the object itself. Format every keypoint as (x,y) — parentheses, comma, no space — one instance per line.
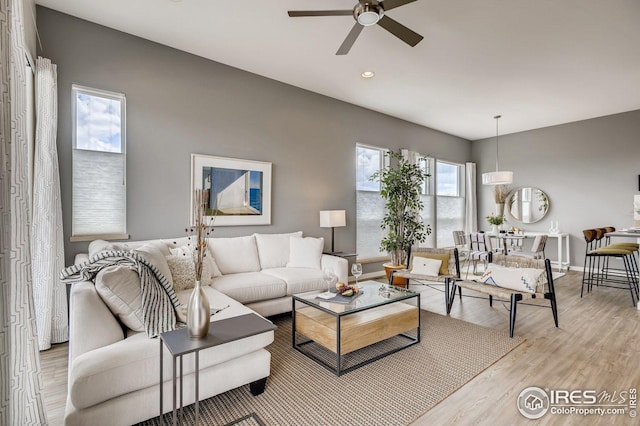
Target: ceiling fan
(367,13)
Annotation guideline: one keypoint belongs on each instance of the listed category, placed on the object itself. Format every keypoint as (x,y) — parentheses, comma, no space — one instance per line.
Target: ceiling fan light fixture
(367,14)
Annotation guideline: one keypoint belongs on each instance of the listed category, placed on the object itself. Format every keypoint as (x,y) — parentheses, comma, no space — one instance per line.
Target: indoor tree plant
(400,186)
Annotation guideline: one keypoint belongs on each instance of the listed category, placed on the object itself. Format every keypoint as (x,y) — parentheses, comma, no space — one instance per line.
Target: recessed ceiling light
(368,74)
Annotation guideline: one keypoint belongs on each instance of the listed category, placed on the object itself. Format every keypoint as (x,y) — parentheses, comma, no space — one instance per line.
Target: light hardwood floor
(596,347)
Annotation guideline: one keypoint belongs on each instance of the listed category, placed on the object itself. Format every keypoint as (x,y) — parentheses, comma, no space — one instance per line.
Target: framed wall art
(235,192)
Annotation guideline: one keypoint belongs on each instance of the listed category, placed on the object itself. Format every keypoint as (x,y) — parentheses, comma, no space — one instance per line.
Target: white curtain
(47,244)
(21,384)
(471,203)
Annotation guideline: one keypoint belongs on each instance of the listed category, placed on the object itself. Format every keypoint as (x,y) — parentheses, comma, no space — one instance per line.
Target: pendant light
(498,177)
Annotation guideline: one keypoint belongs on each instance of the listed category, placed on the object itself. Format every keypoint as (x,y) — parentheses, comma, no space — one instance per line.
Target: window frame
(121,97)
(460,178)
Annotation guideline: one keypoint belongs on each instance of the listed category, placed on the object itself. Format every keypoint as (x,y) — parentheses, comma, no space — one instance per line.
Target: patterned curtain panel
(21,382)
(47,245)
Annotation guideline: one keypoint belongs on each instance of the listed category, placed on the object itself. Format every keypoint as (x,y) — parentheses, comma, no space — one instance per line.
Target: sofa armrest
(339,265)
(91,323)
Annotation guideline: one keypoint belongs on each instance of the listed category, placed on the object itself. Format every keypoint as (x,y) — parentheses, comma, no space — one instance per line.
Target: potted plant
(496,220)
(400,186)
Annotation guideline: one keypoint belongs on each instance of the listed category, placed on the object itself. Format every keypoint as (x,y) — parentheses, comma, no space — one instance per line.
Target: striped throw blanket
(159,301)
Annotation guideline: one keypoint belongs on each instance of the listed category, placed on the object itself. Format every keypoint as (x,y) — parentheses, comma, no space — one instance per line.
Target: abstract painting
(235,192)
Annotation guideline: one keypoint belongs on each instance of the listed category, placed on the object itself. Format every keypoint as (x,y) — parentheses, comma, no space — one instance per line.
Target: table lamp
(332,219)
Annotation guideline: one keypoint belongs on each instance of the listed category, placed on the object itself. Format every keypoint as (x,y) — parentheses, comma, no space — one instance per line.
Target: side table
(340,254)
(224,331)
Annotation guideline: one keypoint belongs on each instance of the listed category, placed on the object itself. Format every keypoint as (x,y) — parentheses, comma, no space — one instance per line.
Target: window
(450,201)
(369,203)
(99,179)
(442,195)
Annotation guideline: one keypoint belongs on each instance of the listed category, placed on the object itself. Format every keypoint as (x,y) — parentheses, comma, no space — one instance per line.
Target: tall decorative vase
(198,313)
(499,209)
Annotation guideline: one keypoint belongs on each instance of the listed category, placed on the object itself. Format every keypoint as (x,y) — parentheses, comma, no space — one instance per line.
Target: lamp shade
(497,178)
(332,218)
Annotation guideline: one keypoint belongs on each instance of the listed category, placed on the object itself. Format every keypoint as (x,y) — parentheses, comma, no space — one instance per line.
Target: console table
(564,247)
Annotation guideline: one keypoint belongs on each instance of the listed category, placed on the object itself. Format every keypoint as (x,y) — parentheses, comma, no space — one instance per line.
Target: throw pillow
(426,266)
(525,280)
(210,268)
(183,271)
(153,253)
(305,252)
(97,246)
(443,257)
(119,288)
(273,249)
(234,255)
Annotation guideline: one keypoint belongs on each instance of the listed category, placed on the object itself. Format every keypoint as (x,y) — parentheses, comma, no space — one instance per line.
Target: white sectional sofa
(114,370)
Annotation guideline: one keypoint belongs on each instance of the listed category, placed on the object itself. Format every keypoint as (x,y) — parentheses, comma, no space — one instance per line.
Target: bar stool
(596,255)
(634,247)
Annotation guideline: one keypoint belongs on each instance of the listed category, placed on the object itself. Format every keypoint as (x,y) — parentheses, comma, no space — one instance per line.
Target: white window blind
(450,201)
(369,203)
(99,164)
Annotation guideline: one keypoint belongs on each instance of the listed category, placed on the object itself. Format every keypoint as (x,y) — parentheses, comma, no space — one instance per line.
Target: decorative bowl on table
(346,290)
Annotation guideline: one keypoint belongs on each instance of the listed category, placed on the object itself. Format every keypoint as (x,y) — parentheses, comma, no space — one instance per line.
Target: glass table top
(371,296)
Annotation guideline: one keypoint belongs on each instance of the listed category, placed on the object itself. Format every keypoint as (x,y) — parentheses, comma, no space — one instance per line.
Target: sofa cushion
(305,252)
(119,288)
(155,252)
(234,255)
(250,286)
(133,363)
(96,246)
(273,249)
(299,280)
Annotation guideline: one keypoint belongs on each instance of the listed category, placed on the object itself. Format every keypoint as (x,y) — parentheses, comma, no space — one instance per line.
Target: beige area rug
(391,391)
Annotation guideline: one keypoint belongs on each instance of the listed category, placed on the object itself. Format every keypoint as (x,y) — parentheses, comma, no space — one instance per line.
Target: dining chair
(537,249)
(480,250)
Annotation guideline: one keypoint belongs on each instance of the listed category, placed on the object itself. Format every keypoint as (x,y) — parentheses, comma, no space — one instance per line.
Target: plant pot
(397,281)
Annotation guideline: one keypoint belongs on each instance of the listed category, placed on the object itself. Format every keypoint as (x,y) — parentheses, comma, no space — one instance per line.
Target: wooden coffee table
(343,328)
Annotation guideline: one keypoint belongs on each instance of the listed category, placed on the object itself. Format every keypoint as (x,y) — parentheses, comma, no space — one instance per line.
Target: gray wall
(178,104)
(588,168)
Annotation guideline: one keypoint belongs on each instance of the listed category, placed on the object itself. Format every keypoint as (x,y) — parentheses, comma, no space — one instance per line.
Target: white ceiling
(537,62)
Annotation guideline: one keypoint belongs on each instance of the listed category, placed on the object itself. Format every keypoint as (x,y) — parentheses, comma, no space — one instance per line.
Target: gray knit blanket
(159,301)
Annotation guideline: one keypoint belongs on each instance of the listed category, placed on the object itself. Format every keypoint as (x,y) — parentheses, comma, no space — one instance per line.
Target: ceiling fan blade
(397,29)
(392,4)
(301,13)
(351,38)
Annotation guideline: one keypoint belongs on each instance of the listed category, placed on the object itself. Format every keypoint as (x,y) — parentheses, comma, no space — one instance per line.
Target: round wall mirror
(527,204)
